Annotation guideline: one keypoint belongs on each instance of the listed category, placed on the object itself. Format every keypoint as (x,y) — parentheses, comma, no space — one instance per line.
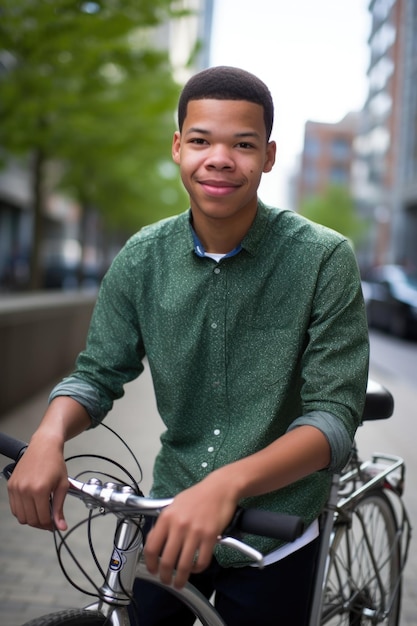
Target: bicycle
(365,535)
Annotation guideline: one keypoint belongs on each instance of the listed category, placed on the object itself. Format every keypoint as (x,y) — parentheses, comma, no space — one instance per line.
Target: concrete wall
(40,337)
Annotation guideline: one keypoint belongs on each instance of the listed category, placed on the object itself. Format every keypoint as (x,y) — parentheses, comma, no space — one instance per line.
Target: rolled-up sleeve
(85,394)
(335,432)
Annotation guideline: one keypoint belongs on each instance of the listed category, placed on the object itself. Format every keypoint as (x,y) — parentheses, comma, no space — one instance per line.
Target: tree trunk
(37,232)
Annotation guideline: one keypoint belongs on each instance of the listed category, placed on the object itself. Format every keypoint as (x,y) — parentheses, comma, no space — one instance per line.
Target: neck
(221,236)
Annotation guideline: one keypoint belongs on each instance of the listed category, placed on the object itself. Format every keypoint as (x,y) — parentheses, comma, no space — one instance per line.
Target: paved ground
(31,583)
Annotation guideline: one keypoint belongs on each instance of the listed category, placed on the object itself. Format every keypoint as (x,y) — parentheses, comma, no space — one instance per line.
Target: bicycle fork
(115,593)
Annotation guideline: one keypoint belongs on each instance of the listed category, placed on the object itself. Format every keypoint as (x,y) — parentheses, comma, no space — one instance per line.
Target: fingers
(183,539)
(174,555)
(31,507)
(58,506)
(30,499)
(193,560)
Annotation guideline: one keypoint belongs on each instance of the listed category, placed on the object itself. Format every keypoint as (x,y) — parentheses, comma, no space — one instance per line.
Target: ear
(271,150)
(176,147)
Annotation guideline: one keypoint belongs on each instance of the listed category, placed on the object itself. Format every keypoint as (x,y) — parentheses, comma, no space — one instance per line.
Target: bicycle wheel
(70,617)
(363,579)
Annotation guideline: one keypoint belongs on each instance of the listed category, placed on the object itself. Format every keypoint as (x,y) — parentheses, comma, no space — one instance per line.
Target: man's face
(222,152)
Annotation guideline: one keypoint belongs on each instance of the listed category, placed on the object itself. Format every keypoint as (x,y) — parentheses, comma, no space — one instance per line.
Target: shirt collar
(250,242)
(199,248)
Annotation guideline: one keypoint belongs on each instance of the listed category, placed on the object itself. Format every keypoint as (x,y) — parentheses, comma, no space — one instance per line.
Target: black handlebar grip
(11,447)
(269,524)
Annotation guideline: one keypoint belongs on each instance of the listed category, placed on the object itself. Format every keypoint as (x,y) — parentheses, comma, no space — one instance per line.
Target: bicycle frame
(369,475)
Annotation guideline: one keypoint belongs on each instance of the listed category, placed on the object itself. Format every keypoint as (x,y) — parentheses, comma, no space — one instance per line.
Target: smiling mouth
(218,187)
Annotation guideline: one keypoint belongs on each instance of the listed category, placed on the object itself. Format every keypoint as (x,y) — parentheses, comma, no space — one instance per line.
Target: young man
(254,327)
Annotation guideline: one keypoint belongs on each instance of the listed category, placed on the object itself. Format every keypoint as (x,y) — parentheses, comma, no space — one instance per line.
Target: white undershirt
(213,255)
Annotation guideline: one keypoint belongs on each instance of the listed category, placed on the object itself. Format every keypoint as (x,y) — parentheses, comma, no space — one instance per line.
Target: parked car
(390,293)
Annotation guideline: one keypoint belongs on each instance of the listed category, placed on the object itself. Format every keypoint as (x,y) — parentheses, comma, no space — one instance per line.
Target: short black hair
(227,83)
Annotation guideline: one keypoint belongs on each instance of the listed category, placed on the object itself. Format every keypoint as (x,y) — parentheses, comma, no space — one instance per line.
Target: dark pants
(278,595)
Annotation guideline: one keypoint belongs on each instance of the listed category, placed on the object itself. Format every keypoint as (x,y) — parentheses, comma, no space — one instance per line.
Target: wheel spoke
(362,586)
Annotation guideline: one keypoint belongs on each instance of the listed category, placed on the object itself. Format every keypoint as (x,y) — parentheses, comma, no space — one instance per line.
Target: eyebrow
(242,135)
(195,129)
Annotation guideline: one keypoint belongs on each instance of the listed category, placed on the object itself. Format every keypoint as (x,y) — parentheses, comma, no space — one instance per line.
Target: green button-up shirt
(240,351)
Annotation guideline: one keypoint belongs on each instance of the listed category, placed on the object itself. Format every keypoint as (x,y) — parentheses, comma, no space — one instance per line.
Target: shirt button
(217,270)
(210,449)
(204,464)
(216,431)
(214,325)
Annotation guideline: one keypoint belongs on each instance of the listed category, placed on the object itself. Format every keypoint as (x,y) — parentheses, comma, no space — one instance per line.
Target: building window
(340,148)
(310,176)
(411,139)
(380,73)
(380,139)
(339,175)
(382,8)
(312,146)
(380,105)
(413,25)
(383,39)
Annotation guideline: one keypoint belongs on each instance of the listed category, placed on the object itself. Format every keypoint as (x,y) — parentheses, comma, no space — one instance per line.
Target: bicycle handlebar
(11,447)
(120,500)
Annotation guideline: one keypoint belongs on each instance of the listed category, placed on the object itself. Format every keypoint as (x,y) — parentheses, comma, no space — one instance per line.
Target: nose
(219,157)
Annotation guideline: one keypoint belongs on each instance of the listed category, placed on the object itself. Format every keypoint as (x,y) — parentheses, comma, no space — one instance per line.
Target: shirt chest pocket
(266,355)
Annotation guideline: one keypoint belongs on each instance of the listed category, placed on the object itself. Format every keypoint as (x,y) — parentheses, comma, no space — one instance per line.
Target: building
(387,144)
(327,157)
(377,156)
(404,241)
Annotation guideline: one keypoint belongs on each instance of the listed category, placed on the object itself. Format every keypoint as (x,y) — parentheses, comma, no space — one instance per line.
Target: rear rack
(381,468)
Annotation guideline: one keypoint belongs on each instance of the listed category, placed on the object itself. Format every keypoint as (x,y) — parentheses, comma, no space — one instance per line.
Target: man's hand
(40,473)
(186,532)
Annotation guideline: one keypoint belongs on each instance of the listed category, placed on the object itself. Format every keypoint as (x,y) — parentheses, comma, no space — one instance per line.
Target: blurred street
(31,583)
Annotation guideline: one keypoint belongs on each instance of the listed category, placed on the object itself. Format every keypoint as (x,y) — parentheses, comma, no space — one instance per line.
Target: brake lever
(242,547)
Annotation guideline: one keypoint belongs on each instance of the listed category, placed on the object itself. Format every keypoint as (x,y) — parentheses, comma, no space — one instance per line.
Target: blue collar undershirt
(199,248)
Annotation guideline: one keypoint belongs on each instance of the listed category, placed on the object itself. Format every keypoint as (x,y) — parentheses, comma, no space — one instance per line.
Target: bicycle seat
(379,403)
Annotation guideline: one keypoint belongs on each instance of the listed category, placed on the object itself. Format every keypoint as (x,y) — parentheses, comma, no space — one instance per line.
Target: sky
(312,54)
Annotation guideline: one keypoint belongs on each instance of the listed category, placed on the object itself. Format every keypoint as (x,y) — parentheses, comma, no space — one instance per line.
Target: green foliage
(84,86)
(336,209)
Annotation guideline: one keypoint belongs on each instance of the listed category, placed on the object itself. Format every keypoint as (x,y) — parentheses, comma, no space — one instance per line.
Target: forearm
(64,419)
(293,456)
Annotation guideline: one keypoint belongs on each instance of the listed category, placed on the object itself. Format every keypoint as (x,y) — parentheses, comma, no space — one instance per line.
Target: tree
(85,87)
(336,209)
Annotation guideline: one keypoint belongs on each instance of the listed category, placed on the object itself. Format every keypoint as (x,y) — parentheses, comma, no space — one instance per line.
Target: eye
(245,145)
(198,141)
